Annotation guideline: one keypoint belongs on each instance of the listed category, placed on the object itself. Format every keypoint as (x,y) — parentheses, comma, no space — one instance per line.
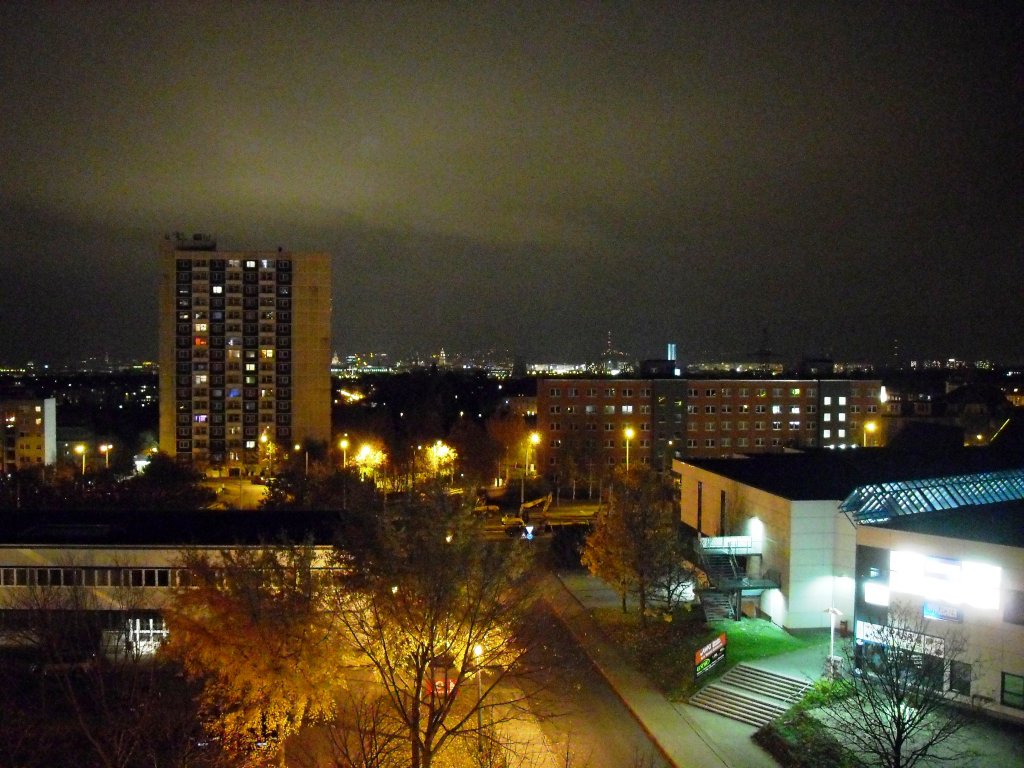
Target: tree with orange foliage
(253,629)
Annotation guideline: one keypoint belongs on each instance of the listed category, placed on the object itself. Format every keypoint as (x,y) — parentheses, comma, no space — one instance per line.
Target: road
(578,711)
(236,493)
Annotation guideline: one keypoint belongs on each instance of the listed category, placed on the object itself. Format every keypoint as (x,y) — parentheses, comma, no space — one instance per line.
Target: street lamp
(344,452)
(629,436)
(534,439)
(869,429)
(299,448)
(831,666)
(105,450)
(80,450)
(268,445)
(478,651)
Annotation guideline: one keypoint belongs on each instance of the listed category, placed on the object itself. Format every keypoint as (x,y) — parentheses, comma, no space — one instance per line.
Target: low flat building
(948,557)
(778,517)
(126,567)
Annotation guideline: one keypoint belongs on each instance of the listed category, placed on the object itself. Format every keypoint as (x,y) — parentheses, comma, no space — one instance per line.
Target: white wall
(993,646)
(821,564)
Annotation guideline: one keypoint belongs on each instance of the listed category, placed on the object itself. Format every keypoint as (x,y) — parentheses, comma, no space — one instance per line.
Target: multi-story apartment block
(244,353)
(585,421)
(739,416)
(590,425)
(29,434)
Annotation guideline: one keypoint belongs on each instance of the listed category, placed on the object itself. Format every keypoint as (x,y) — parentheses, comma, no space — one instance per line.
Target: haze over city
(526,176)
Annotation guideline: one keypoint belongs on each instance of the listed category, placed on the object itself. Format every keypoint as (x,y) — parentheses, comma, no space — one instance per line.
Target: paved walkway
(686,736)
(691,737)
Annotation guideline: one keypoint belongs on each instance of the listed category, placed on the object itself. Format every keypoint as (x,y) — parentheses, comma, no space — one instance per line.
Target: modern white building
(779,522)
(947,554)
(778,518)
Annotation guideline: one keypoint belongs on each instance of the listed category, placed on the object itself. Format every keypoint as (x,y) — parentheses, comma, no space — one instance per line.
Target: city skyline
(526,176)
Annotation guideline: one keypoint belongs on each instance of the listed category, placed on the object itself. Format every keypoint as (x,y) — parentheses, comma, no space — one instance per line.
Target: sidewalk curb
(585,644)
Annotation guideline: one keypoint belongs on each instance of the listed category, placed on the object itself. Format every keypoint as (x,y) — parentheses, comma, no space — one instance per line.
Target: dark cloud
(527,175)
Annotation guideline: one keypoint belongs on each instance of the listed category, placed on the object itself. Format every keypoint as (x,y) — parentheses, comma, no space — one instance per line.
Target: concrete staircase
(750,694)
(720,567)
(717,606)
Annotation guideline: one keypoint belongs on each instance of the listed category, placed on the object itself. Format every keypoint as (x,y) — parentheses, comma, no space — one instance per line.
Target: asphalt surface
(579,714)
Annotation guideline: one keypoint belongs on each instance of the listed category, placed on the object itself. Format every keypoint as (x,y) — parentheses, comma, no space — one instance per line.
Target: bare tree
(113,699)
(433,610)
(896,706)
(363,735)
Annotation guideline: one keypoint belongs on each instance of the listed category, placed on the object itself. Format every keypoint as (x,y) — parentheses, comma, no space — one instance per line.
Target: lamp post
(629,436)
(830,666)
(268,445)
(80,450)
(105,450)
(344,452)
(534,439)
(869,429)
(299,448)
(478,651)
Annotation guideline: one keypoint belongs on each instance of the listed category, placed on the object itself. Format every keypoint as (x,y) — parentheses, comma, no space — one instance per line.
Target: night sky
(527,176)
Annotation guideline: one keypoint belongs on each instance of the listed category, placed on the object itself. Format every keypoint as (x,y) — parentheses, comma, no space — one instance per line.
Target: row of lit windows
(90,577)
(219,265)
(611,461)
(743,426)
(593,392)
(758,392)
(186,301)
(742,442)
(556,426)
(607,410)
(200,276)
(610,443)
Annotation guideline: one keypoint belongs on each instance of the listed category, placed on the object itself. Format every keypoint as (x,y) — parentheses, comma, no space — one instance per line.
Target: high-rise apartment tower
(245,339)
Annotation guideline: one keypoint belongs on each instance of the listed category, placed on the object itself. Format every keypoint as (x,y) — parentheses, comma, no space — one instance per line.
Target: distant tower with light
(245,352)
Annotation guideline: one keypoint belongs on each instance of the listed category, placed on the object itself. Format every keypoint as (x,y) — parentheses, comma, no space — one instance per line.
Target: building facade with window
(244,353)
(124,568)
(583,422)
(947,555)
(29,434)
(936,537)
(727,417)
(589,426)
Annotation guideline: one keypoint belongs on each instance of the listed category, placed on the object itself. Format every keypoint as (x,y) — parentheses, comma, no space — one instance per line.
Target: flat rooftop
(989,523)
(214,528)
(834,474)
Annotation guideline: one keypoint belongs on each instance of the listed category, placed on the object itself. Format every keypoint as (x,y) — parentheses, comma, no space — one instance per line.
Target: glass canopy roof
(882,501)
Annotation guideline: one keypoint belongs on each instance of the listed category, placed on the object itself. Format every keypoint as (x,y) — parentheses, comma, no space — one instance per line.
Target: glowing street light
(369,458)
(869,429)
(534,440)
(299,448)
(629,436)
(441,457)
(105,449)
(80,450)
(344,452)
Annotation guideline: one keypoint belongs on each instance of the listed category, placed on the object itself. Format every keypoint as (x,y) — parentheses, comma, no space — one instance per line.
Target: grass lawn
(751,639)
(665,650)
